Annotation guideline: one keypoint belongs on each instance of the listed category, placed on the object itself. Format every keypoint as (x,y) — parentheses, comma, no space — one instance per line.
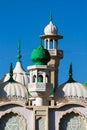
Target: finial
(70,70)
(19,52)
(41,43)
(70,75)
(51,16)
(11,73)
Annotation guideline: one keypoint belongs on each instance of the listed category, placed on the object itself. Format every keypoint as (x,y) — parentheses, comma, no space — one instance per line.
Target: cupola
(12,90)
(50,29)
(40,86)
(71,89)
(40,56)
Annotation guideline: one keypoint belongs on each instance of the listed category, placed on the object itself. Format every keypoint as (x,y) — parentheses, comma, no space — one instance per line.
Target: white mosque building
(33,100)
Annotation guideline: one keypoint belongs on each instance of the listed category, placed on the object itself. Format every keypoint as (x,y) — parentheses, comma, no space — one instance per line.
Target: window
(72,121)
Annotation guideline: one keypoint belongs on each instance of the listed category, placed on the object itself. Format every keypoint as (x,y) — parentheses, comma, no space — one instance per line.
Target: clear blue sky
(26,19)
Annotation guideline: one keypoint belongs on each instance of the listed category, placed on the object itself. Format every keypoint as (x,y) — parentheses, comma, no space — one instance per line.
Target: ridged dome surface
(19,75)
(74,89)
(50,29)
(13,90)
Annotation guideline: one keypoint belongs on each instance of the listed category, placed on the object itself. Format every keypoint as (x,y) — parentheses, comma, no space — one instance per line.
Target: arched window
(40,78)
(72,121)
(12,121)
(34,78)
(47,79)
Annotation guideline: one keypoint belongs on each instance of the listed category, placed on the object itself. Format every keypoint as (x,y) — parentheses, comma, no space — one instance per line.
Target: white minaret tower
(51,38)
(40,86)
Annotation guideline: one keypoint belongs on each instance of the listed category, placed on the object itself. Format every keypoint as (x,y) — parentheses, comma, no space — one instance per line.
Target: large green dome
(40,56)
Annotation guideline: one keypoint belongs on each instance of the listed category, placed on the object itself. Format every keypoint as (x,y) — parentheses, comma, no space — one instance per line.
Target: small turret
(40,86)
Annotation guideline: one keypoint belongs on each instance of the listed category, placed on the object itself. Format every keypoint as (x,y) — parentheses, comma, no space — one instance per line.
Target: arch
(10,119)
(40,78)
(72,120)
(34,78)
(66,102)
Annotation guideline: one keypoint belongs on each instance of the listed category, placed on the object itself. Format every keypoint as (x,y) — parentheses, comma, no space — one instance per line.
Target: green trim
(41,43)
(11,73)
(19,52)
(85,84)
(51,16)
(53,92)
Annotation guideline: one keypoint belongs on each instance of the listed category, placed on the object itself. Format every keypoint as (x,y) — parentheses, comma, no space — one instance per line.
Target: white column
(45,43)
(48,44)
(56,44)
(31,77)
(53,44)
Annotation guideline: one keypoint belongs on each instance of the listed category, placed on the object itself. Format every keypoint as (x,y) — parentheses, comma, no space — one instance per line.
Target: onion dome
(50,29)
(20,75)
(71,89)
(12,89)
(40,56)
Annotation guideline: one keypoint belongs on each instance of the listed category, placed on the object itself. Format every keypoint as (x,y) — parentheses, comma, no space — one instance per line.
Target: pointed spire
(70,75)
(19,52)
(41,43)
(51,16)
(70,70)
(11,73)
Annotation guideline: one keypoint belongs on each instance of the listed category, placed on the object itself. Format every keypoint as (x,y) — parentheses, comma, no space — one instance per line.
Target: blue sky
(26,19)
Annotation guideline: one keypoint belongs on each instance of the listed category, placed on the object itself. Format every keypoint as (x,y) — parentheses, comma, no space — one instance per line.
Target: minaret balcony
(40,89)
(55,52)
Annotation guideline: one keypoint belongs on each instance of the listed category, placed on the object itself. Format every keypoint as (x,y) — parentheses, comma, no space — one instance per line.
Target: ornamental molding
(70,111)
(65,101)
(19,103)
(18,114)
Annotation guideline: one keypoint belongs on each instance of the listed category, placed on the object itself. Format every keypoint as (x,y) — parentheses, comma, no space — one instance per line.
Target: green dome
(40,56)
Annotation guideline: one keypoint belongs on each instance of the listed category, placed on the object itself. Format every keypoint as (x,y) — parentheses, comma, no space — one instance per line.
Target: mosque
(33,100)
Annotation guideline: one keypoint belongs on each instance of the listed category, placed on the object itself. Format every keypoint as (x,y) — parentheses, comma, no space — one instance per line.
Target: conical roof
(40,56)
(20,75)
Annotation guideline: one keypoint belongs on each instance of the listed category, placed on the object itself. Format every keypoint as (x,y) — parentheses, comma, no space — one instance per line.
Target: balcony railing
(56,52)
(39,86)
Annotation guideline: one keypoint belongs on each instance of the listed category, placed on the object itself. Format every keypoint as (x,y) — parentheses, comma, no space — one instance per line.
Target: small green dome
(85,84)
(40,56)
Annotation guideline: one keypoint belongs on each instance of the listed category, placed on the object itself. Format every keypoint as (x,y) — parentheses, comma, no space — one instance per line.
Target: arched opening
(72,121)
(40,78)
(47,79)
(8,121)
(34,78)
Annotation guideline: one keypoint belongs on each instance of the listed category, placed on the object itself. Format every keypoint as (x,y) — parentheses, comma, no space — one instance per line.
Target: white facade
(43,105)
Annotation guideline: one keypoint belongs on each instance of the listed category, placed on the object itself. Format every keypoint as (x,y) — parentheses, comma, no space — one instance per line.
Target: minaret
(51,38)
